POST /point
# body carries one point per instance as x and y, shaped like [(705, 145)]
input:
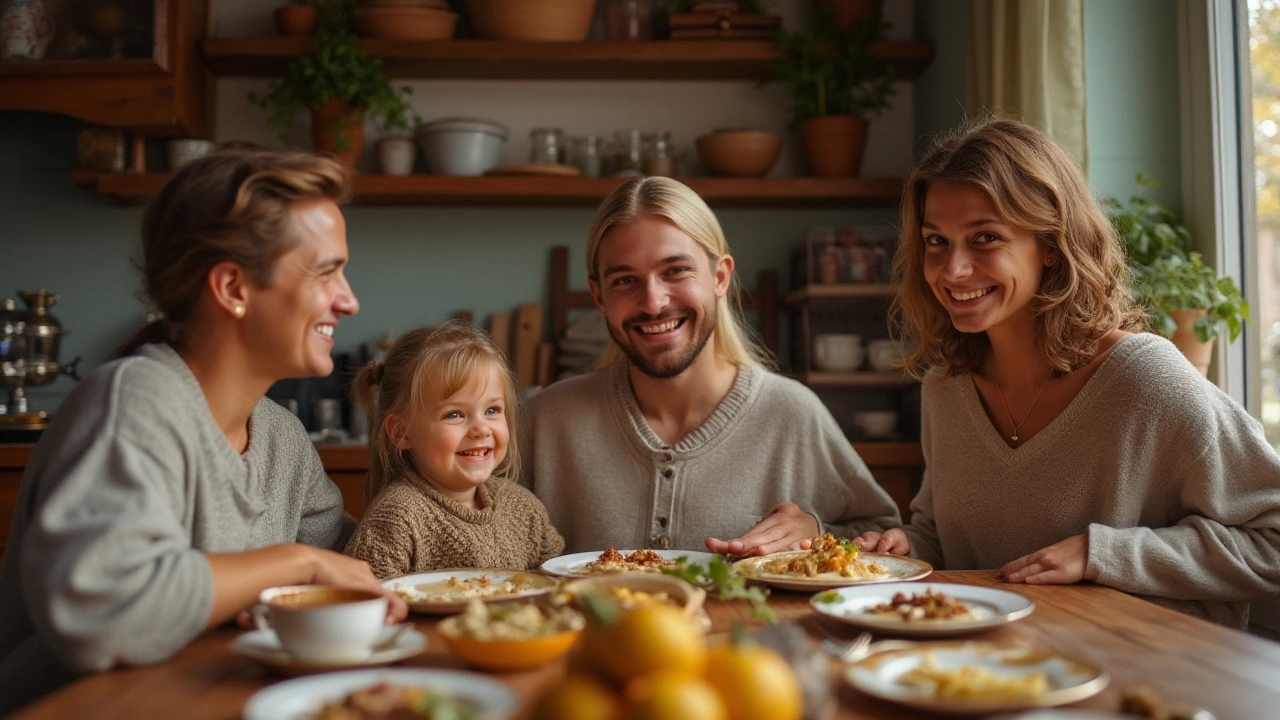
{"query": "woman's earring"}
[(238, 311)]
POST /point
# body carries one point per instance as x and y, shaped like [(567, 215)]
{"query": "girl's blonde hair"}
[(1083, 295), (663, 197), (439, 359), (230, 205)]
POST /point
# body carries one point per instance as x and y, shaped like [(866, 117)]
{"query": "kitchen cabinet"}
[(169, 93)]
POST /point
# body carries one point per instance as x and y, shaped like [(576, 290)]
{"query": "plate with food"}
[(414, 692), (830, 563), (447, 591), (586, 564), (923, 609), (974, 677)]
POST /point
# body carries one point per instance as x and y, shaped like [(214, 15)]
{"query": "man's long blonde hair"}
[(735, 341)]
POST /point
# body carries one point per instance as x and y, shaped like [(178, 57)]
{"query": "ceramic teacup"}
[(876, 424), (837, 352), (882, 354), (322, 623)]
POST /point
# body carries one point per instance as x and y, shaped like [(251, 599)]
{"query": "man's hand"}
[(786, 527), (893, 541), (1061, 563)]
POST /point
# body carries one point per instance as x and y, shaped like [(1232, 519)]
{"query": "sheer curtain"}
[(1026, 60)]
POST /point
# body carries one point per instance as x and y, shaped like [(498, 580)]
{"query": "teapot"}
[(29, 345)]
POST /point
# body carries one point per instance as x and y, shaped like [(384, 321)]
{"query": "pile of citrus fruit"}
[(652, 663)]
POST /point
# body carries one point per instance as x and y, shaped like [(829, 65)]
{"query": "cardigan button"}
[(667, 457), (667, 473), (660, 542)]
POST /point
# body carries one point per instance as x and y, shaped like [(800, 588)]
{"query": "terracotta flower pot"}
[(845, 14), (833, 144), (338, 120), (1184, 338), (297, 20)]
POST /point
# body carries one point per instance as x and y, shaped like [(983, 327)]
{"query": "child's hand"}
[(893, 541)]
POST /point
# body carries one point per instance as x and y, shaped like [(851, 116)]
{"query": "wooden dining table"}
[(1181, 658)]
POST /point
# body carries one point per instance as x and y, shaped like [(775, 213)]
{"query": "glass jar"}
[(629, 20), (659, 155), (628, 152), (546, 145), (587, 156)]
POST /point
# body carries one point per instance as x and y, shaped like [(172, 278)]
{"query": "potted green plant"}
[(834, 84), (1186, 299), (341, 85)]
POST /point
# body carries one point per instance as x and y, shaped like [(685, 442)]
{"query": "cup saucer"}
[(264, 647)]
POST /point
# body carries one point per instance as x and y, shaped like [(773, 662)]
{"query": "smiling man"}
[(683, 438)]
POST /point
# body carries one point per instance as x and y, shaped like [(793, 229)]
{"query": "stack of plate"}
[(407, 19)]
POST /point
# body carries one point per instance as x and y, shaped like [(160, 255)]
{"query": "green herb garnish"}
[(727, 583), (827, 597)]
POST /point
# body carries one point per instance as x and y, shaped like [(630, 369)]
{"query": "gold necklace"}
[(1018, 426)]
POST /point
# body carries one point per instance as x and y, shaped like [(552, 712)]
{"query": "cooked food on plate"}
[(456, 588), (387, 700), (511, 621), (827, 555), (928, 605), (971, 682), (612, 561)]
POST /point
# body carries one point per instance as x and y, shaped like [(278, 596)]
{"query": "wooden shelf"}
[(837, 291), (890, 454), (509, 191), (523, 60), (815, 378)]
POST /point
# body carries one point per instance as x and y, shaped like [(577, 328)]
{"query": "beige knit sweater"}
[(411, 527), (1172, 482)]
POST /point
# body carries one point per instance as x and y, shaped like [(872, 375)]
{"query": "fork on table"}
[(848, 651)]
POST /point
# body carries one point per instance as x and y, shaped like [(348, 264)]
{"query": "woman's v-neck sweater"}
[(1173, 483)]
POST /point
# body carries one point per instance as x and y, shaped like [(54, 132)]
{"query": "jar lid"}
[(455, 124)]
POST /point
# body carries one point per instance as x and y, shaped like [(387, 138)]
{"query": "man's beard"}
[(673, 368)]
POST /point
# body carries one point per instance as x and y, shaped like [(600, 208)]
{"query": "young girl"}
[(441, 488)]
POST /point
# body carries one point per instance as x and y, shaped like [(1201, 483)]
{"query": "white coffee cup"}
[(876, 424), (322, 623), (837, 352), (882, 354)]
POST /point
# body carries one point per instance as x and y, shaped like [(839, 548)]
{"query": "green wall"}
[(416, 265)]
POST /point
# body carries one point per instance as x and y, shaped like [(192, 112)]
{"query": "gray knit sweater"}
[(131, 484), (1172, 481), (412, 527), (608, 480)]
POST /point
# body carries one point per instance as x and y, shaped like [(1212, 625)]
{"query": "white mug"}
[(882, 355), (876, 424), (322, 623), (837, 352)]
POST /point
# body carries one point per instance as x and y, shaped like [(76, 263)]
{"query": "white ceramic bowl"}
[(461, 146), (882, 354), (876, 424), (184, 151)]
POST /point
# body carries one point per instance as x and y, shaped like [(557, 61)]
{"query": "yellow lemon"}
[(668, 696), (755, 683), (578, 697)]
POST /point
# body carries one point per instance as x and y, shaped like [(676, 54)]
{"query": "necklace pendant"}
[(1014, 438)]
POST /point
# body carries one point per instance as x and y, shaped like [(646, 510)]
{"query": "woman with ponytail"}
[(168, 492)]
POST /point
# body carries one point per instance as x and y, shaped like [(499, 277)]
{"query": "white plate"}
[(575, 565), (299, 698), (992, 606), (1070, 680), (534, 584), (899, 569), (264, 646)]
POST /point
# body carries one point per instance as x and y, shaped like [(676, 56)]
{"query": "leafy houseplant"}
[(834, 84), (340, 84), (1184, 296)]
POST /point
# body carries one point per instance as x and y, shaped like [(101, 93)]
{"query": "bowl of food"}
[(631, 590), (461, 146), (739, 153), (511, 636)]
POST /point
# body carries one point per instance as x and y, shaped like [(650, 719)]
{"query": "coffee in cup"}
[(322, 623)]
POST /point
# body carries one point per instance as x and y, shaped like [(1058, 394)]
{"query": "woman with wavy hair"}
[(168, 492), (1061, 442)]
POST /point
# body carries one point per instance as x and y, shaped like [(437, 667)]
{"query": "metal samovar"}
[(29, 344)]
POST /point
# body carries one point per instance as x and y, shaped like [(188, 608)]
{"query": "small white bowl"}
[(184, 151), (461, 146), (876, 424)]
